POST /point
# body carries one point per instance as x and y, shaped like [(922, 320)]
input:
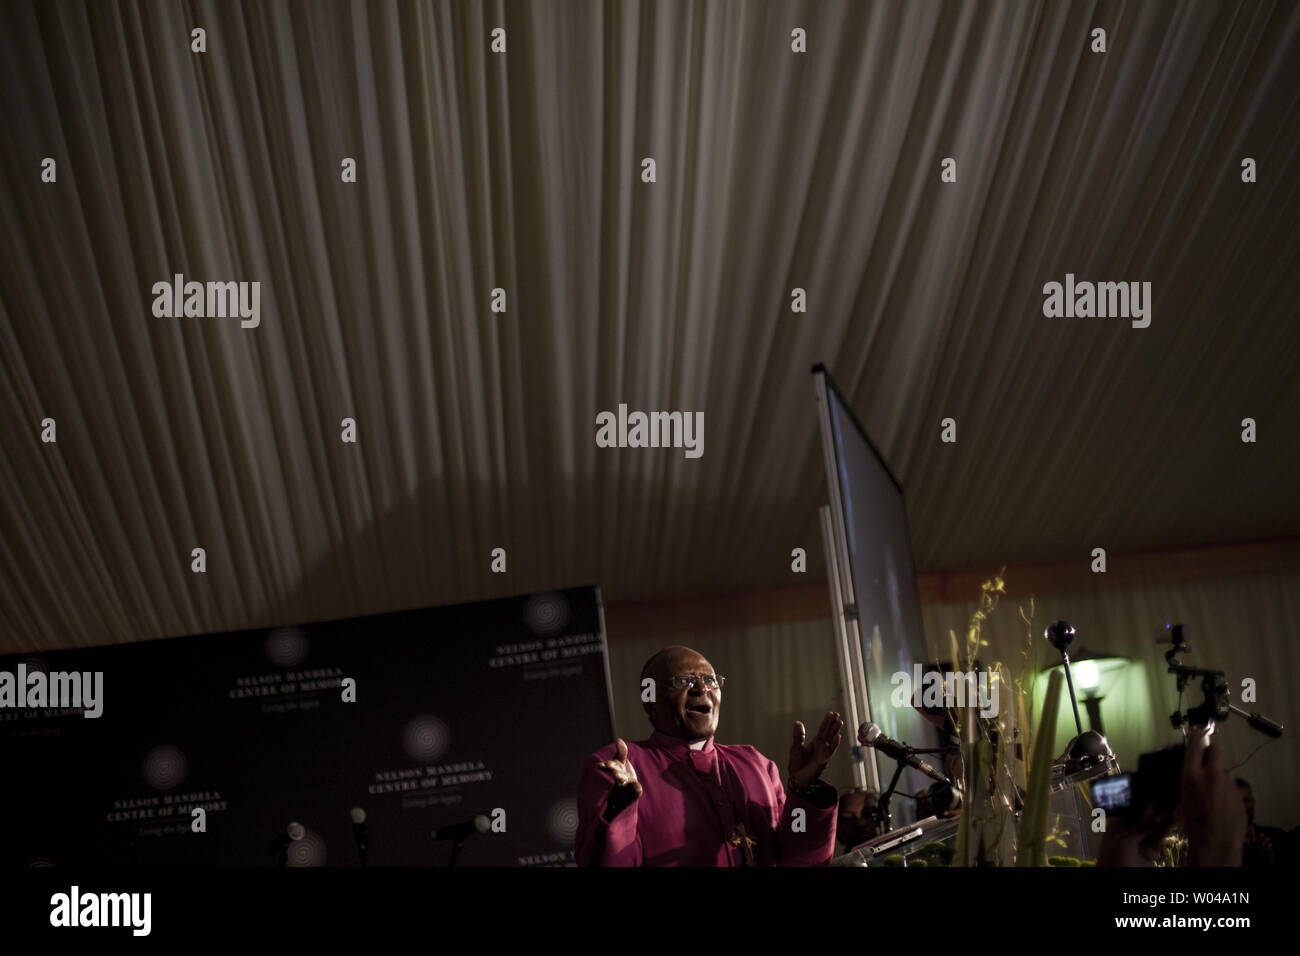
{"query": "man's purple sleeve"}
[(604, 841), (815, 845)]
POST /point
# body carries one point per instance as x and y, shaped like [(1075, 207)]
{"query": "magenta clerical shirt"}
[(691, 806)]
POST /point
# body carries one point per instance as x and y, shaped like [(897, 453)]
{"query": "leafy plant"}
[(1038, 793), (1173, 849), (936, 854), (984, 830)]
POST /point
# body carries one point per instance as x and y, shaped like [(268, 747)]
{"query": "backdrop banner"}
[(422, 719)]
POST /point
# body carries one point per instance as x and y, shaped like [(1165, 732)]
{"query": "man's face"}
[(687, 712)]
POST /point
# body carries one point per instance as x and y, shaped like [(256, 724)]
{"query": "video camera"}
[(1158, 781)]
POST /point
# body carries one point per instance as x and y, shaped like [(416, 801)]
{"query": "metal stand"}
[(883, 818), (848, 653)]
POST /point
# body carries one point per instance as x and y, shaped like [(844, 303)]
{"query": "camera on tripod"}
[(1158, 781)]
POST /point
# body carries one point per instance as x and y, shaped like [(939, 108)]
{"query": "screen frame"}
[(825, 388)]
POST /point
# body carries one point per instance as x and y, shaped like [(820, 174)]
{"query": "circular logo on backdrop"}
[(286, 647), (164, 767), (562, 820), (309, 851), (426, 738), (547, 614)]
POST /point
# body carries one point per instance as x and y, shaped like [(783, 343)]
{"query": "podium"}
[(1069, 815), (906, 842)]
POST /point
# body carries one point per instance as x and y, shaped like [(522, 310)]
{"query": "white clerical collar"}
[(699, 744)]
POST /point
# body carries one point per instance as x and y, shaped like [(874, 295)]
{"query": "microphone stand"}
[(884, 819), (1060, 635), (457, 835), (1214, 686)]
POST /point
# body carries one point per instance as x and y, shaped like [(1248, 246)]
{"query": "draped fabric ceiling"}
[(522, 170)]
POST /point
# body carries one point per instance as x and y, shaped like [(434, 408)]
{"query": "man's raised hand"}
[(809, 758), (626, 786)]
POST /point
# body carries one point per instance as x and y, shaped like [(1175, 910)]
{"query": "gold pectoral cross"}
[(742, 839)]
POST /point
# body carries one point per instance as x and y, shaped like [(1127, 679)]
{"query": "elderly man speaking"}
[(679, 799)]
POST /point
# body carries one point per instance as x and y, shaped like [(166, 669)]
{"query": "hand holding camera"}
[(1208, 805), (1211, 808)]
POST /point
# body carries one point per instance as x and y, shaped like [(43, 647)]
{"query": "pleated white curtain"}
[(777, 170)]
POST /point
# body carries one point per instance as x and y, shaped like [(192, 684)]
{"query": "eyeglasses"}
[(709, 681)]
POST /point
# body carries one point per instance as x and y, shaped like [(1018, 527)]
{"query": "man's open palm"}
[(808, 758), (624, 774)]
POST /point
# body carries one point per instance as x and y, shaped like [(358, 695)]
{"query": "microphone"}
[(459, 831), (944, 797), (1258, 721), (1272, 728), (869, 735), (294, 832), (360, 832)]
